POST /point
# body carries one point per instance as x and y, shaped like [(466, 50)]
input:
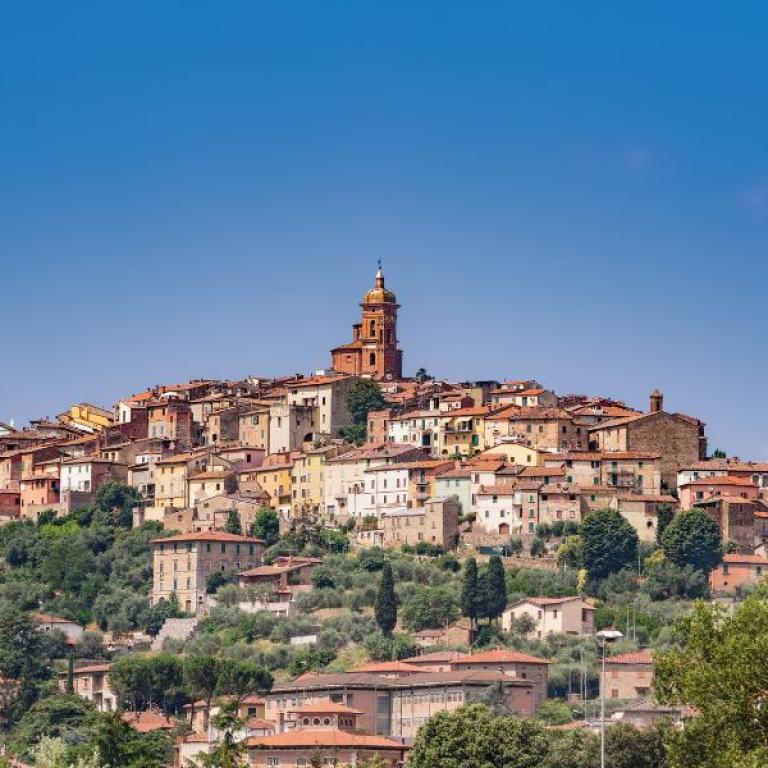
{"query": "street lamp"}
[(605, 636)]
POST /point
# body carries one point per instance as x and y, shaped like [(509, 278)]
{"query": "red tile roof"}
[(736, 559), (325, 708), (500, 656), (209, 536), (387, 666), (318, 738), (633, 657)]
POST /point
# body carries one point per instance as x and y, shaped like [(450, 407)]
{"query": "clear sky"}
[(576, 192)]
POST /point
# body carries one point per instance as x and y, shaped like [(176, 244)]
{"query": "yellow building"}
[(516, 453), (308, 478), (87, 416), (461, 431), (171, 479), (273, 477)]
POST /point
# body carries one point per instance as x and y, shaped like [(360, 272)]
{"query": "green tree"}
[(554, 712), (363, 396), (163, 609), (664, 515), (22, 666), (229, 751), (70, 688), (430, 608), (201, 679), (470, 596), (719, 669), (718, 453), (693, 538), (266, 526), (54, 753), (385, 606), (242, 678), (494, 589), (473, 736), (115, 503), (609, 543), (57, 716), (233, 524), (422, 375)]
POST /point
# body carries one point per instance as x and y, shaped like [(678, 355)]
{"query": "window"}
[(273, 761)]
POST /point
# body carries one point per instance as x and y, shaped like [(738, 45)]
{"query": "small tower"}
[(657, 401)]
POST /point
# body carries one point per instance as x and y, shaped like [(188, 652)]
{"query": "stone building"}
[(629, 675), (373, 350), (678, 439), (182, 564)]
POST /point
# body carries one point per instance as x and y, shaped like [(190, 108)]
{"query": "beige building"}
[(346, 474), (182, 564), (553, 616), (209, 483), (559, 502), (327, 395), (171, 475), (253, 425), (92, 683), (642, 512), (291, 427), (308, 477), (628, 676)]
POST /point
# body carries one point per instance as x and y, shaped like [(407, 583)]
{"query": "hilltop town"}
[(307, 570)]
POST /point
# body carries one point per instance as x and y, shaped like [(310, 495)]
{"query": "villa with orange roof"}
[(553, 616), (736, 570)]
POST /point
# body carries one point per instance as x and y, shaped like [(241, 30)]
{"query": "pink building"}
[(704, 488), (736, 570)]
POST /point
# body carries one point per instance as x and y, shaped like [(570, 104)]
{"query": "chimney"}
[(657, 401)]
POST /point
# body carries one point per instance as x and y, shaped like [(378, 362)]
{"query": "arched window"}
[(373, 328), (372, 360)]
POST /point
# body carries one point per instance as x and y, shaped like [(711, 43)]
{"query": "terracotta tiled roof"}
[(740, 481), (528, 414), (318, 738), (314, 381), (736, 559), (146, 722), (501, 656), (633, 657), (542, 471), (387, 666), (438, 657), (91, 668), (209, 536), (325, 708)]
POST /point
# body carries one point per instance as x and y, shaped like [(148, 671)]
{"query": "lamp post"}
[(605, 636)]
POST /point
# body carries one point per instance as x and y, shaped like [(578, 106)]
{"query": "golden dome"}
[(379, 294)]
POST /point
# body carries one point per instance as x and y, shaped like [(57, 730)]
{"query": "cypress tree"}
[(233, 524), (71, 673), (496, 588), (385, 606), (470, 597)]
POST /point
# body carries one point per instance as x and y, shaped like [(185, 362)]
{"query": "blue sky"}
[(567, 191)]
